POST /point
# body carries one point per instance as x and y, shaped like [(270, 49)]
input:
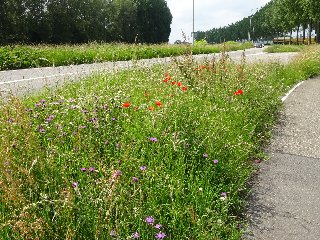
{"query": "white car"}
[(258, 45)]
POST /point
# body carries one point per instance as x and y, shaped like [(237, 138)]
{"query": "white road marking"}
[(44, 77), (294, 88)]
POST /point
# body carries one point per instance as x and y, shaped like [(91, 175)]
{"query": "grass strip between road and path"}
[(23, 56), (152, 153), (278, 48)]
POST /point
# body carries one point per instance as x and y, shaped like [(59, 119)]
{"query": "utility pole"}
[(193, 23)]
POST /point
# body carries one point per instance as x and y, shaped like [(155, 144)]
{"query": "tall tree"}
[(124, 20), (153, 19)]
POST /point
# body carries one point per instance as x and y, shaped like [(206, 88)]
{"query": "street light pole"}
[(193, 23)]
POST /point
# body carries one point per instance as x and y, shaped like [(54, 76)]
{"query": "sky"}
[(208, 14)]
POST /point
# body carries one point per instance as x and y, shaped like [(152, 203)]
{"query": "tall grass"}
[(277, 48), (158, 153), (16, 57)]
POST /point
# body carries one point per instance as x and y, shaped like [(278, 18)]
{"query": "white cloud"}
[(208, 14)]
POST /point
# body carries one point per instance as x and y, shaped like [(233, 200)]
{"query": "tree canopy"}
[(75, 21), (276, 18)]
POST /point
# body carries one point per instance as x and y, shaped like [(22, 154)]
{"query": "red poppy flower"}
[(150, 108), (158, 103), (184, 88), (239, 92), (173, 82), (126, 104), (179, 84)]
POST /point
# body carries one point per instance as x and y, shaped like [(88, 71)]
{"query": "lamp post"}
[(193, 22)]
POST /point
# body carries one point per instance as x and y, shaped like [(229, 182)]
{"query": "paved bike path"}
[(285, 203)]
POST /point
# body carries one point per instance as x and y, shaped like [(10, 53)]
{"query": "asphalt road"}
[(285, 200), (26, 81)]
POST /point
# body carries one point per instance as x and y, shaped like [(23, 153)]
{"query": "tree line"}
[(80, 21), (277, 18)]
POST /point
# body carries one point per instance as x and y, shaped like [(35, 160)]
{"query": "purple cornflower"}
[(43, 101), (74, 184), (136, 235), (50, 118), (153, 139), (119, 173), (37, 105), (85, 111), (143, 168), (215, 161), (112, 233), (41, 130), (158, 226), (223, 194), (160, 235), (91, 169), (135, 179), (82, 127), (73, 107), (93, 120), (149, 220), (104, 107), (113, 119), (205, 155), (83, 169)]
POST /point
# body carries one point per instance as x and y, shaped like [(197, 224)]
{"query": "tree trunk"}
[(304, 34), (309, 32), (290, 42), (298, 34), (317, 32)]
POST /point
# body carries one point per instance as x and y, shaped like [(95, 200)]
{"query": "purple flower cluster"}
[(50, 118), (41, 129), (90, 169), (143, 168), (153, 139), (150, 221), (160, 235)]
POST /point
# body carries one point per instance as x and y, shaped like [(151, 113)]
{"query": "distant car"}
[(258, 45)]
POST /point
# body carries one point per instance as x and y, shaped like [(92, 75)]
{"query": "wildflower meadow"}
[(163, 152)]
